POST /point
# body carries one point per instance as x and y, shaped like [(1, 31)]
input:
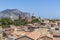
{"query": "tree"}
[(5, 22), (20, 22), (35, 20), (24, 22), (16, 23), (20, 17)]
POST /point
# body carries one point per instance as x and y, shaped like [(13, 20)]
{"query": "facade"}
[(56, 35), (24, 38), (45, 38), (45, 21), (58, 23), (1, 36)]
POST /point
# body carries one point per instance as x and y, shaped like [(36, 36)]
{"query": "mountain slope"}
[(14, 13)]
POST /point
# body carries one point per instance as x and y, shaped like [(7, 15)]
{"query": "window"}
[(56, 28), (56, 36)]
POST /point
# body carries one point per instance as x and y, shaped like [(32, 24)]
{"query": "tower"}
[(20, 16), (33, 16)]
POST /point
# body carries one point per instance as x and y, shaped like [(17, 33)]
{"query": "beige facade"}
[(24, 38), (1, 37), (45, 38), (45, 21), (58, 23)]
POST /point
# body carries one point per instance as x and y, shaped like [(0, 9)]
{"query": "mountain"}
[(14, 13)]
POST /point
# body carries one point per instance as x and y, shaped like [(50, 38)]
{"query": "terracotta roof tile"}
[(56, 38), (34, 35)]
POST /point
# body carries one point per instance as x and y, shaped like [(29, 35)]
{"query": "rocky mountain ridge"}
[(14, 13)]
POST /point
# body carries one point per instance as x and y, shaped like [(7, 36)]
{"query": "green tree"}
[(16, 23), (5, 22), (24, 22), (35, 20)]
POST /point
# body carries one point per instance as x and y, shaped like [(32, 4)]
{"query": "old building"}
[(24, 38), (1, 34), (45, 38), (56, 35)]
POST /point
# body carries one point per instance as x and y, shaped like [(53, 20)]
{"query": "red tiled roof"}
[(56, 38), (34, 35)]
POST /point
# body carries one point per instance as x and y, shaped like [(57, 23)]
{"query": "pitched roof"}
[(56, 38), (56, 32), (48, 35), (24, 37), (34, 35)]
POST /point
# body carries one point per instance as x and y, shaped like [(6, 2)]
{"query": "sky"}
[(40, 8)]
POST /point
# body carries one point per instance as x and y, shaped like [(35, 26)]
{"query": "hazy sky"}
[(42, 8)]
